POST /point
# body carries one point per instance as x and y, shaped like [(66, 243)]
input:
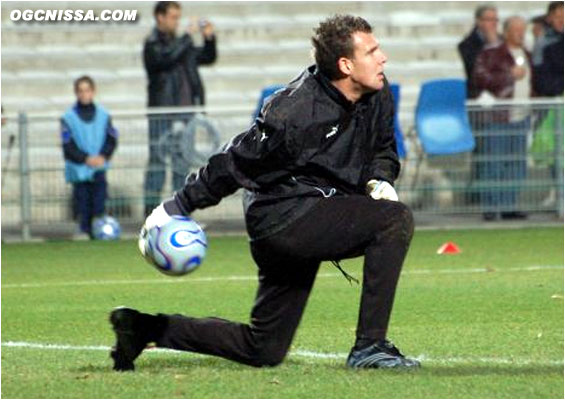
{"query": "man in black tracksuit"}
[(317, 168)]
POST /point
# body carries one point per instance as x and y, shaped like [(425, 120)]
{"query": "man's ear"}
[(345, 66)]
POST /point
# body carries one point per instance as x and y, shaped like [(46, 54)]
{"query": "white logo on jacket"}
[(332, 132)]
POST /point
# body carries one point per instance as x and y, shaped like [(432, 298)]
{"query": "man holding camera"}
[(172, 64)]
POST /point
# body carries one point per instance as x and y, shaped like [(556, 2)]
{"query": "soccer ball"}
[(176, 248), (106, 228)]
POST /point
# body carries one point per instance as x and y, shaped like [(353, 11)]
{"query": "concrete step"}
[(405, 21), (112, 56), (43, 84), (250, 30)]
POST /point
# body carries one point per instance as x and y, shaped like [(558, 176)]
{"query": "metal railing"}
[(507, 171), (502, 174)]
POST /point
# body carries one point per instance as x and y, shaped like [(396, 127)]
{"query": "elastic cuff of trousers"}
[(361, 344), (156, 326), (365, 340), (173, 207)]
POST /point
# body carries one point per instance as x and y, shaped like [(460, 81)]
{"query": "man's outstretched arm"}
[(250, 160)]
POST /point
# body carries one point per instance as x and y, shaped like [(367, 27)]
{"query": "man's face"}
[(555, 19), (515, 32), (537, 29), (488, 21), (368, 62), (85, 93), (169, 21)]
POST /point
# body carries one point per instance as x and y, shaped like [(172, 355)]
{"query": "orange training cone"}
[(449, 248)]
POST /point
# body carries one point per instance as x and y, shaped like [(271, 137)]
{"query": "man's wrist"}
[(172, 207), (373, 183), (381, 189)]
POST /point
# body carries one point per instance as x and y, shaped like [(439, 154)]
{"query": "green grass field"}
[(487, 323)]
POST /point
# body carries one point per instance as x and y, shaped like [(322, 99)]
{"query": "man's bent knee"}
[(269, 356), (406, 217), (402, 220)]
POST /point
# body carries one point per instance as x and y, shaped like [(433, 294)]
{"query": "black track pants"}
[(336, 228)]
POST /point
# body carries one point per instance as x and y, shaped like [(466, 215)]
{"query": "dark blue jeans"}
[(163, 144), (502, 164), (89, 199)]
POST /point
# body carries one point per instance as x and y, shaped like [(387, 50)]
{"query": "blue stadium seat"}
[(442, 124), (398, 135), (265, 93)]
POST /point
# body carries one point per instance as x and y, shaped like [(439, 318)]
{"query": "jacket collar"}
[(86, 112), (162, 36), (335, 94)]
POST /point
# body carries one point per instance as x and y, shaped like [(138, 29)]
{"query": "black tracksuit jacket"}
[(169, 60), (308, 142)]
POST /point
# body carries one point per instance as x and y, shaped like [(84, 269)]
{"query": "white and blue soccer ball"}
[(106, 228), (176, 248)]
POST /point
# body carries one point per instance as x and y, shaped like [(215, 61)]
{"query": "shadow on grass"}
[(163, 364), (509, 370)]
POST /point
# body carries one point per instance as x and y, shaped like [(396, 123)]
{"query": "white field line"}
[(254, 277), (519, 361)]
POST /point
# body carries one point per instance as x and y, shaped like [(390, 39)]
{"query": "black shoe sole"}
[(401, 366), (125, 351)]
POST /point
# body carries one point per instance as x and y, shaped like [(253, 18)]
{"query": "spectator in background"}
[(505, 72), (538, 26), (548, 54), (485, 32), (89, 140), (548, 82), (172, 64)]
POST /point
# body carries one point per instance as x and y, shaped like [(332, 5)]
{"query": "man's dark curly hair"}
[(333, 39), (162, 7), (554, 5)]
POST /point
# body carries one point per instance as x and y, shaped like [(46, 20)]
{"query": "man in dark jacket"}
[(317, 167), (548, 54), (548, 73), (172, 64), (484, 33)]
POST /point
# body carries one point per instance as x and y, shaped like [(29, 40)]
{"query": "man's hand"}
[(192, 27), (381, 190), (518, 72), (95, 161), (207, 29), (158, 217)]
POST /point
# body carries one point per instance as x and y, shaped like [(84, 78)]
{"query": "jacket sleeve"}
[(71, 152), (548, 77), (111, 141), (489, 73), (207, 53), (468, 52), (255, 158), (384, 164), (158, 58)]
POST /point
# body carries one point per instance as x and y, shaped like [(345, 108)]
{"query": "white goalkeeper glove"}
[(381, 190), (158, 217)]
